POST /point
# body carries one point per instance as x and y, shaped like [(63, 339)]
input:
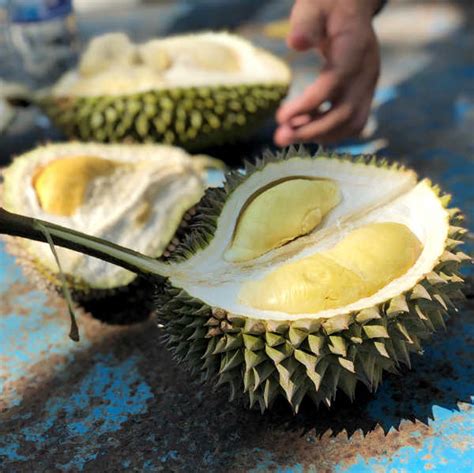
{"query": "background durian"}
[(194, 90), (135, 195)]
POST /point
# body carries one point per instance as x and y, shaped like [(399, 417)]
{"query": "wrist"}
[(365, 9), (371, 7)]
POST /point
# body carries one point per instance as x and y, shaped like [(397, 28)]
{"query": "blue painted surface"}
[(449, 448), (122, 394), (10, 272)]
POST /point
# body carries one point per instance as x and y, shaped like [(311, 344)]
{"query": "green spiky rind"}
[(197, 232), (118, 305), (313, 358), (193, 118), (124, 304)]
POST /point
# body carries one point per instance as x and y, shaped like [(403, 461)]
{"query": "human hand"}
[(341, 31)]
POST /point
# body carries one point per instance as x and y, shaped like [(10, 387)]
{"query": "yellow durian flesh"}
[(62, 184), (283, 212), (362, 263)]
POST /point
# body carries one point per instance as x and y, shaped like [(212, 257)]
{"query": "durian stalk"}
[(33, 229)]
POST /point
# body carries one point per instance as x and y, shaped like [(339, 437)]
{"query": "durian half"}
[(302, 275), (134, 195), (191, 90)]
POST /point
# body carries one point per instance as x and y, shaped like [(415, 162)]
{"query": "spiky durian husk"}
[(125, 304), (315, 358), (302, 358), (193, 118)]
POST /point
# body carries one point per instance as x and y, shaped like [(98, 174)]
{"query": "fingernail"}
[(298, 41)]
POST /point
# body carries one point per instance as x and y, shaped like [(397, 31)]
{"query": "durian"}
[(135, 195), (337, 303), (193, 90)]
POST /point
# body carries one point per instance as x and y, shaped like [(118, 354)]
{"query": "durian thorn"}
[(33, 229)]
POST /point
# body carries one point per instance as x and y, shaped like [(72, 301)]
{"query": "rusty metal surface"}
[(117, 402)]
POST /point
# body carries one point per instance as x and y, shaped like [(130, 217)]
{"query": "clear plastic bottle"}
[(6, 57), (43, 38)]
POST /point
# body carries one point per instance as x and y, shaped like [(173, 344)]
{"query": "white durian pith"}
[(369, 194), (139, 202), (112, 65)]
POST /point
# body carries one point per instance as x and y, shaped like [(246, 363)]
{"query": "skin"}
[(341, 32)]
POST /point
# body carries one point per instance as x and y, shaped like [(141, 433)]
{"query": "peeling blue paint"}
[(171, 455), (267, 463), (448, 448), (462, 109), (10, 272), (358, 147), (10, 452), (385, 94), (148, 465), (110, 394), (459, 385), (30, 338)]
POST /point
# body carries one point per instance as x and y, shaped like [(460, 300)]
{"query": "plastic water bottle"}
[(43, 39), (6, 57)]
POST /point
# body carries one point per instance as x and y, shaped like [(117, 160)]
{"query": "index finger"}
[(323, 89)]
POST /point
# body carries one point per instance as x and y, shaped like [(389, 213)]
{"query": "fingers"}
[(322, 90), (343, 121), (347, 81), (344, 62), (307, 28), (333, 120)]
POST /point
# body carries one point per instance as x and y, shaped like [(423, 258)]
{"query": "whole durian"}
[(301, 276), (134, 195), (193, 90)]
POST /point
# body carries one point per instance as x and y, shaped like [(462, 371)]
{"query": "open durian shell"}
[(268, 358), (169, 91), (125, 297), (266, 354)]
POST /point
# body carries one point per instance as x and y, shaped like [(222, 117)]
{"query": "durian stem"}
[(33, 229)]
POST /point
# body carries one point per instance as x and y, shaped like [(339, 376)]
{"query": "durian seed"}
[(282, 212), (68, 177), (359, 265)]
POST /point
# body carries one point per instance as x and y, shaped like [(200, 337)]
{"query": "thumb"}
[(307, 25)]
